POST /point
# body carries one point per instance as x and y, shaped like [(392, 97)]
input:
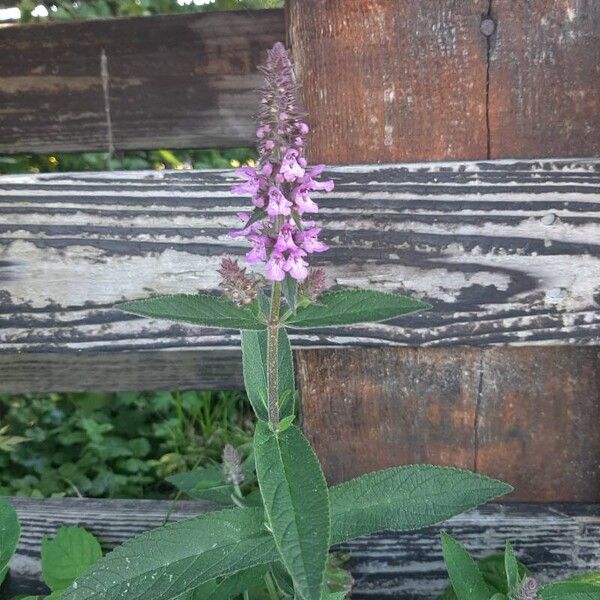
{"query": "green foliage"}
[(394, 498), (467, 581), (126, 161), (224, 543), (9, 536), (502, 576), (116, 444), (254, 358), (68, 556), (349, 307), (570, 590), (195, 309), (168, 561), (69, 10), (296, 504)]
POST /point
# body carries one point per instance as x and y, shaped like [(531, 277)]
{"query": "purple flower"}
[(278, 203), (282, 182)]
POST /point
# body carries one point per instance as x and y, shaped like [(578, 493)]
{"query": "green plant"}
[(503, 577), (281, 537), (115, 444)]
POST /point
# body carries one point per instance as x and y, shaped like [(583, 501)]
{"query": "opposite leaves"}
[(296, 504), (349, 307), (195, 309), (171, 560)]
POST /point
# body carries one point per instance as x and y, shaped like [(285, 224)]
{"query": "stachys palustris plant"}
[(283, 535)]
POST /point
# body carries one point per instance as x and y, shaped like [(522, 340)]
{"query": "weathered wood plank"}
[(544, 78), (178, 81), (388, 81), (555, 540), (499, 411), (506, 252)]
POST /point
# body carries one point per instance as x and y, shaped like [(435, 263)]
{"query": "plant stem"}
[(272, 356)]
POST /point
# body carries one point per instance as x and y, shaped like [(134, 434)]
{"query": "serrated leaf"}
[(569, 590), (296, 504), (219, 544), (228, 587), (9, 535), (394, 498), (511, 567), (67, 556), (289, 287), (169, 561), (195, 309), (467, 581), (349, 307), (254, 359)]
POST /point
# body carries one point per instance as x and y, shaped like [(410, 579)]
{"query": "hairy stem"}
[(272, 356)]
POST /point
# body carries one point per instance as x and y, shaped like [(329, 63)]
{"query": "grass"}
[(114, 445)]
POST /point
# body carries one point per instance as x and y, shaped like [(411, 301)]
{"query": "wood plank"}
[(388, 81), (506, 252), (540, 94), (177, 81), (544, 78), (121, 371), (554, 540), (499, 411)]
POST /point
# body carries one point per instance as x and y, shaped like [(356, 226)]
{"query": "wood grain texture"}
[(554, 540), (179, 81), (388, 80), (526, 416), (506, 252), (544, 78)]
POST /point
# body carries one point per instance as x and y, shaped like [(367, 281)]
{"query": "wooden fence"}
[(501, 376)]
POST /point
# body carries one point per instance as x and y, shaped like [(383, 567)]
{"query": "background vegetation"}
[(106, 444)]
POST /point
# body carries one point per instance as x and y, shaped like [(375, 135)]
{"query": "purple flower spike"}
[(280, 186)]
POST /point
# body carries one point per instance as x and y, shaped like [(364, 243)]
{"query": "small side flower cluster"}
[(282, 182), (528, 589)]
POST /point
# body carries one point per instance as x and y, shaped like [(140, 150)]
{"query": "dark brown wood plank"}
[(554, 540), (544, 78), (522, 415), (121, 371), (392, 81), (540, 94), (178, 81)]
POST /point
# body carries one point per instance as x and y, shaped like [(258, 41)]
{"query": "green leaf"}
[(169, 561), (228, 587), (196, 309), (64, 558), (9, 535), (498, 597), (334, 596), (296, 504), (570, 590), (223, 543), (395, 499), (511, 567), (354, 306), (494, 573), (289, 288), (467, 581), (592, 577), (254, 359), (204, 483)]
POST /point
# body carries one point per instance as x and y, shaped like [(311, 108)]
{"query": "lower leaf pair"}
[(214, 548)]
